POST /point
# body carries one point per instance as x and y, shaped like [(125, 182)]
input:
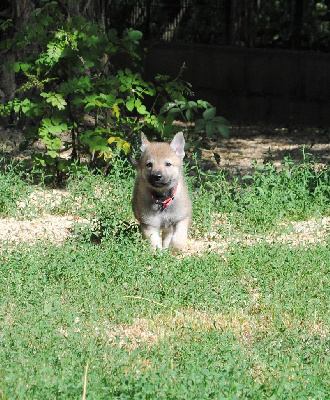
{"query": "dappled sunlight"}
[(246, 327), (294, 233)]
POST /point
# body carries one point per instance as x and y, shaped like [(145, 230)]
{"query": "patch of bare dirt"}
[(301, 233), (53, 228), (44, 224), (261, 144)]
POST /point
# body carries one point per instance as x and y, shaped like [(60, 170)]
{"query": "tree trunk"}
[(19, 11)]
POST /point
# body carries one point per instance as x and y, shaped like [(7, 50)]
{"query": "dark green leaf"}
[(209, 127), (89, 63), (174, 110), (209, 113), (221, 119), (199, 125), (130, 104), (142, 109), (135, 35), (112, 34), (52, 153), (223, 129), (16, 66), (189, 114), (25, 67)]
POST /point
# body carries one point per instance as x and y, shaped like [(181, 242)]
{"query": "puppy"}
[(160, 200)]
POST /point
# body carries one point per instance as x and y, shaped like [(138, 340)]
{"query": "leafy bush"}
[(75, 95)]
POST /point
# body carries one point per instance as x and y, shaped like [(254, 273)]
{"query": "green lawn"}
[(101, 317)]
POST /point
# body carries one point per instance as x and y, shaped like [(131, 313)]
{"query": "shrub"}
[(75, 95)]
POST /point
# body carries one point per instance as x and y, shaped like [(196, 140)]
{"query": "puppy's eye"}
[(149, 164), (168, 164)]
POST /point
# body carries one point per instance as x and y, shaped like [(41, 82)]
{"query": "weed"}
[(12, 188)]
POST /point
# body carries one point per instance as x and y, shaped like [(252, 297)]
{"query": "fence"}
[(288, 24), (251, 85)]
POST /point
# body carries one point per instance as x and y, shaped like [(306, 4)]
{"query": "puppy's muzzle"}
[(157, 179)]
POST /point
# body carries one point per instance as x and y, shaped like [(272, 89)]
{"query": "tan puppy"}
[(161, 201)]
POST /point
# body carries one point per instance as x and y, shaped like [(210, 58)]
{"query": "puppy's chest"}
[(163, 217)]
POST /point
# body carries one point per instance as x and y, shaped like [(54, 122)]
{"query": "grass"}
[(12, 188), (100, 317)]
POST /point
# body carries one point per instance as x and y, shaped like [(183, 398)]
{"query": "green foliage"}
[(75, 94), (189, 110)]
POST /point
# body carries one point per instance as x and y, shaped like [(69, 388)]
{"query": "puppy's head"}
[(161, 163)]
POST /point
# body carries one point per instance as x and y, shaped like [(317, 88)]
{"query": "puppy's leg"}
[(167, 236), (180, 234), (152, 234)]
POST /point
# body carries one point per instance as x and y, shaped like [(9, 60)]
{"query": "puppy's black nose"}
[(157, 176)]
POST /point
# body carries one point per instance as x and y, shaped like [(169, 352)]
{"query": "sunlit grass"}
[(98, 315)]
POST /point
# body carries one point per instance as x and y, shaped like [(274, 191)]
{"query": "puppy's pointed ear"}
[(144, 142), (177, 144)]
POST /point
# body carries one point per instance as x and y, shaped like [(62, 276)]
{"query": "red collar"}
[(164, 203)]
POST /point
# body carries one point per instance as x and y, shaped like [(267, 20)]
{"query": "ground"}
[(235, 154), (266, 143)]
